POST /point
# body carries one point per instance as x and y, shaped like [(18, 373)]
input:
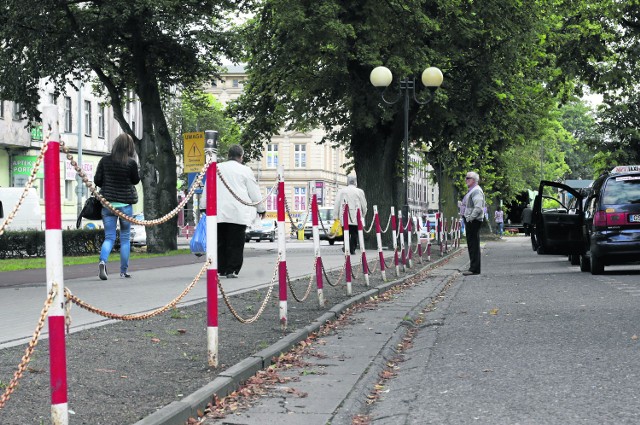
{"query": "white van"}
[(28, 216)]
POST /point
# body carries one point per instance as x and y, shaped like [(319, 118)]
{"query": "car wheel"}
[(575, 259), (272, 238), (585, 264), (597, 265), (258, 240), (332, 241)]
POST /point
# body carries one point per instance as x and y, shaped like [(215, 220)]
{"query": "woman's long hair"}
[(123, 149)]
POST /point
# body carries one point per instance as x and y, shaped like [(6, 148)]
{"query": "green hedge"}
[(32, 243)]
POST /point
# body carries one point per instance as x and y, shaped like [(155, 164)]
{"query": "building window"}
[(87, 118), (68, 116), (101, 121), (52, 99), (235, 83), (68, 189), (300, 156), (272, 200), (17, 111), (272, 155), (1, 109), (300, 198)]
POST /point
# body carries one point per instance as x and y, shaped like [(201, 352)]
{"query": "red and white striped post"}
[(376, 218), (282, 252), (54, 271), (446, 235), (347, 248), (365, 265), (439, 233), (211, 187), (429, 240), (409, 237), (419, 240), (316, 248), (403, 253), (394, 235)]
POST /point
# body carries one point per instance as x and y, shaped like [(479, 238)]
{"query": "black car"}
[(606, 231)]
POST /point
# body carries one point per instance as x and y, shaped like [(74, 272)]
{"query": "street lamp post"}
[(432, 79)]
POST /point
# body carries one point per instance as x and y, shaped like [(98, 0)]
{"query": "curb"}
[(179, 412)]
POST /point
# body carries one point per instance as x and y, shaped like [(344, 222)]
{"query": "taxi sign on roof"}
[(625, 169)]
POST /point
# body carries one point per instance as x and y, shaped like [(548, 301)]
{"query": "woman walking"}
[(499, 218), (116, 176)]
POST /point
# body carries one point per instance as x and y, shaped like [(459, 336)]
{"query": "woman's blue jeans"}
[(110, 221), (499, 229)]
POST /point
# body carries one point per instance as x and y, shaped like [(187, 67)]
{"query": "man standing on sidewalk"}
[(355, 198), (472, 209)]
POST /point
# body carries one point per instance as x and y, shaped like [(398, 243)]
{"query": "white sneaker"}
[(102, 271)]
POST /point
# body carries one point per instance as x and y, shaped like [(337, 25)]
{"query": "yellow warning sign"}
[(193, 151)]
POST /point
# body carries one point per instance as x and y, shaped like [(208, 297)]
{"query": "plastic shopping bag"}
[(198, 242), (336, 229)]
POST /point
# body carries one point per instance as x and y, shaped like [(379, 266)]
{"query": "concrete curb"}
[(178, 412)]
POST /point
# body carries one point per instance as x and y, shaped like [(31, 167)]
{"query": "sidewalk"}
[(345, 360)]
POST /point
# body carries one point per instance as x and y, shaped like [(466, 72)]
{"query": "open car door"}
[(557, 231)]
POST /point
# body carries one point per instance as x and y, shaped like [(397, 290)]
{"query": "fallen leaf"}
[(155, 339), (634, 338), (493, 312)]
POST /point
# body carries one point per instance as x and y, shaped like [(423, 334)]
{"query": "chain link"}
[(308, 291), (30, 348), (264, 303), (129, 317)]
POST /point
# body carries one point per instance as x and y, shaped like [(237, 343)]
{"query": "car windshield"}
[(622, 190), (325, 214), (267, 224)]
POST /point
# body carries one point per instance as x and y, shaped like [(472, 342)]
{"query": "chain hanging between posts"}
[(251, 204), (308, 291), (286, 207), (30, 348), (122, 215), (326, 275), (264, 303), (32, 177), (143, 316)]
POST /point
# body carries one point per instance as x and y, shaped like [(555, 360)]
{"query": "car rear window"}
[(622, 190)]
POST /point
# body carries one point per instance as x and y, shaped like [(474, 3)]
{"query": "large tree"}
[(144, 47), (309, 66)]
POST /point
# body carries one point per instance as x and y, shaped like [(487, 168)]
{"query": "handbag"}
[(198, 244), (92, 210), (336, 229)]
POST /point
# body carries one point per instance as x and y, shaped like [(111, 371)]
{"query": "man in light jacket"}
[(355, 198), (233, 215), (472, 209)]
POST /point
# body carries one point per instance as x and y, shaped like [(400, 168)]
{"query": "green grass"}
[(39, 263)]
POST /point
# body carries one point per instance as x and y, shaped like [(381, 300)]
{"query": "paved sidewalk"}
[(349, 359)]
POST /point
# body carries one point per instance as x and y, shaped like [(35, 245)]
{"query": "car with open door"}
[(555, 230), (612, 220)]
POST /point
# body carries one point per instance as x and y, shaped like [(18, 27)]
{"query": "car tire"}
[(597, 265), (332, 241), (575, 259), (585, 263)]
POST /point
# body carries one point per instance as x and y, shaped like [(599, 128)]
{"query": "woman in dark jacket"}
[(116, 176)]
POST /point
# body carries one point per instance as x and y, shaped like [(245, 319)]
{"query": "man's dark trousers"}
[(353, 238), (473, 244), (230, 247)]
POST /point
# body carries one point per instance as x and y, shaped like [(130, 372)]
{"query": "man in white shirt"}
[(355, 198), (234, 216)]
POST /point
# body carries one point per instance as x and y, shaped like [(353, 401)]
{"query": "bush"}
[(32, 243)]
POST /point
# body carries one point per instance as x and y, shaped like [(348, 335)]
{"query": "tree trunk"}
[(158, 170)]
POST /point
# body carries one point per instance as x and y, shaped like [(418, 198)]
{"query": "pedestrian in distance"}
[(472, 210), (116, 176), (234, 216), (355, 199), (499, 219)]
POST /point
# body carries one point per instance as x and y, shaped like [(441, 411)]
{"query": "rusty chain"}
[(129, 317), (30, 348), (308, 291), (264, 303)]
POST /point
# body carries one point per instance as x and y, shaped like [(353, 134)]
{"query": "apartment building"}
[(87, 128)]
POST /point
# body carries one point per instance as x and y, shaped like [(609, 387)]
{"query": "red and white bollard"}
[(440, 233), (316, 248), (347, 248), (54, 271), (282, 252), (365, 265), (376, 217), (409, 237), (419, 240), (403, 253), (394, 236), (211, 188)]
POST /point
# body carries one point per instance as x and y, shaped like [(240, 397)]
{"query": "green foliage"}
[(32, 243)]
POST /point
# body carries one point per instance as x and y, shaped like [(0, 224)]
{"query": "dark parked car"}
[(606, 231), (266, 230)]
